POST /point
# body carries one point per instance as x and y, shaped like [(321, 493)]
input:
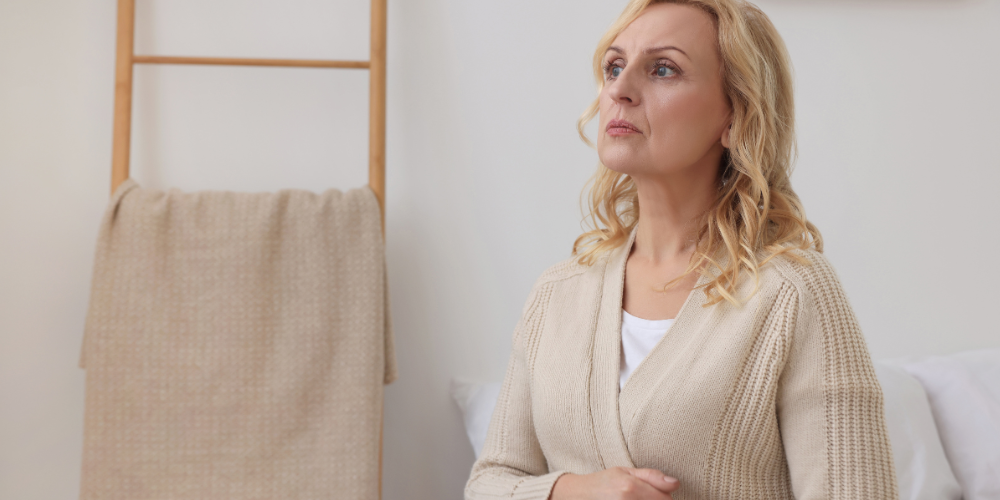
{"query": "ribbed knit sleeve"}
[(512, 465), (830, 405)]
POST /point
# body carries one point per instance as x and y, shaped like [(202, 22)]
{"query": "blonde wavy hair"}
[(756, 216)]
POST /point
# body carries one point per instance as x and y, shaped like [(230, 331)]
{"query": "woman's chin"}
[(621, 165), (622, 158)]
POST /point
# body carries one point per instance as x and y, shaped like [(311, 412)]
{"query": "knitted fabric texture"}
[(776, 399), (236, 346)]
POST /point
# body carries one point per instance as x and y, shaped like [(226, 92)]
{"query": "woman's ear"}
[(725, 133)]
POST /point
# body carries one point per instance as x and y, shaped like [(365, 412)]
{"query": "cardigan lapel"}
[(663, 360), (606, 363)]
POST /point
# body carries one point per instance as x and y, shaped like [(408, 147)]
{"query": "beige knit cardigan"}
[(774, 400)]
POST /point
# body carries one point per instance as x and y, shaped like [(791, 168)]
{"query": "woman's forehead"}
[(685, 27)]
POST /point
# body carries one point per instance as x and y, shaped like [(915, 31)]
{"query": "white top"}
[(639, 336)]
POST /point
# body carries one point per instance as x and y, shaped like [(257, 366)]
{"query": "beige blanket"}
[(236, 347)]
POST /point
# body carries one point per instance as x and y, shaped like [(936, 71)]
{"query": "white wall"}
[(897, 118)]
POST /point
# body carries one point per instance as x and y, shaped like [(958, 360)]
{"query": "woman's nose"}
[(623, 89)]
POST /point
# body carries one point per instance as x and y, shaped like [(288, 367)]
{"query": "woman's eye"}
[(665, 71), (616, 70)]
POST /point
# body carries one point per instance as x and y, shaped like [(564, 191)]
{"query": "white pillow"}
[(922, 469), (964, 393), (476, 400)]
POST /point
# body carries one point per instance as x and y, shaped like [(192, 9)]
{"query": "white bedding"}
[(964, 394)]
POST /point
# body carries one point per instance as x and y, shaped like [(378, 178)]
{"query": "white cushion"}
[(964, 394), (476, 400), (922, 469)]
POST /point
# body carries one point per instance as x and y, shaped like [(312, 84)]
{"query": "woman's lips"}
[(621, 127)]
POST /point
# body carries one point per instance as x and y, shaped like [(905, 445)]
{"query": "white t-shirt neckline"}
[(645, 324), (639, 336)]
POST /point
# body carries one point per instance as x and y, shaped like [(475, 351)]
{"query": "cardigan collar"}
[(606, 360)]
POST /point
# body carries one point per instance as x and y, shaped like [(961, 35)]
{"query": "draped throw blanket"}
[(236, 346)]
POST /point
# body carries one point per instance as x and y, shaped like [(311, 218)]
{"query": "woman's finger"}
[(656, 479)]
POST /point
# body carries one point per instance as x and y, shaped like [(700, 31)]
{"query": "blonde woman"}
[(697, 345)]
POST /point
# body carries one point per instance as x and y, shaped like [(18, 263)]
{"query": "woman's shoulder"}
[(810, 272), (565, 269), (565, 279), (549, 287)]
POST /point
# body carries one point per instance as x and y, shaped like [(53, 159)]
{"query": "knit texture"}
[(776, 399), (236, 346)]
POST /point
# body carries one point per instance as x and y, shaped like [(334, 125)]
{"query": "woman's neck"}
[(670, 210)]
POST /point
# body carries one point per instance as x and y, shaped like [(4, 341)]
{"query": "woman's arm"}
[(830, 407), (512, 465)]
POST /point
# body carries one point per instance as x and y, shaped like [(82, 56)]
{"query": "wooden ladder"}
[(126, 58)]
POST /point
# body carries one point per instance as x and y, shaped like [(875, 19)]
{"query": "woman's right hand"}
[(616, 483)]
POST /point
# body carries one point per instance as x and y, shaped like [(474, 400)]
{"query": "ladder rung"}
[(230, 61)]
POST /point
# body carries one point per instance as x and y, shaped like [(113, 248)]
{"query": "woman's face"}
[(663, 76)]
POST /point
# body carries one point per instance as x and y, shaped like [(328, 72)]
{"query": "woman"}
[(755, 381)]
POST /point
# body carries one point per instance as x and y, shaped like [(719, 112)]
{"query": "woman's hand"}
[(616, 483)]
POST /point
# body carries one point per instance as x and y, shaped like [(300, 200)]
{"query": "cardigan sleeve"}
[(512, 465), (830, 405)]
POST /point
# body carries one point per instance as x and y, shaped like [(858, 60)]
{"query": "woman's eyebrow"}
[(650, 50)]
